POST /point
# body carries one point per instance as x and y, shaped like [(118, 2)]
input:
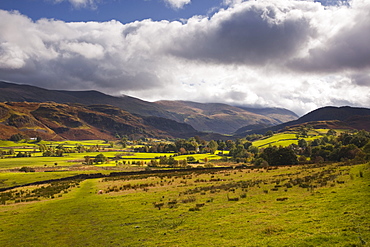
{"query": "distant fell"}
[(330, 117), (279, 114), (221, 118)]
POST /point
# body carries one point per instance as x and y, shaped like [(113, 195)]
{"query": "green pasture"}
[(9, 179), (83, 142), (12, 144), (33, 144), (35, 161), (334, 214), (282, 139), (69, 159)]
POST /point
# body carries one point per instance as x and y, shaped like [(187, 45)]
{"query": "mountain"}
[(208, 117), (18, 93), (279, 114), (329, 117), (55, 121), (219, 118)]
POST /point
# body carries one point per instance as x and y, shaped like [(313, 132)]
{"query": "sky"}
[(295, 54)]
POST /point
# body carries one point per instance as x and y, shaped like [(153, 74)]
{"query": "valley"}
[(76, 174)]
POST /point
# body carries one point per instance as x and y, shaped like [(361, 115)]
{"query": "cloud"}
[(300, 55), (347, 48), (177, 4), (80, 3), (253, 33), (361, 78)]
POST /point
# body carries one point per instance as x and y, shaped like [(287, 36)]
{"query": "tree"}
[(261, 162), (279, 156), (221, 145), (230, 144), (123, 142), (88, 160), (302, 132), (302, 143), (163, 160), (16, 137), (212, 146), (239, 152), (182, 151), (253, 149), (345, 152), (184, 163), (366, 148), (191, 159), (153, 163), (247, 144), (269, 133), (100, 158), (331, 132), (316, 142), (171, 162)]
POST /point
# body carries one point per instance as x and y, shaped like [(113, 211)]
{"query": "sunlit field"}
[(283, 139), (64, 201), (312, 205)]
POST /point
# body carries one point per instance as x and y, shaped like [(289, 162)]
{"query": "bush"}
[(16, 137), (26, 169)]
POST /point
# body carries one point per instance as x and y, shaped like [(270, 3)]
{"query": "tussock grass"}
[(195, 211)]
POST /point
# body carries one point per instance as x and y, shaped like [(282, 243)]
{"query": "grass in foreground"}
[(201, 210)]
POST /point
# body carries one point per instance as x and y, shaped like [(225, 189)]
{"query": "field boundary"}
[(117, 174)]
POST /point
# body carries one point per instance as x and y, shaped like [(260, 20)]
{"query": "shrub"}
[(26, 169)]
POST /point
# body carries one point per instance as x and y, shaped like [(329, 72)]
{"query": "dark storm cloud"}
[(252, 34), (361, 79)]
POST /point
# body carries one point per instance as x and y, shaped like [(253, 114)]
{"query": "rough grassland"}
[(195, 211)]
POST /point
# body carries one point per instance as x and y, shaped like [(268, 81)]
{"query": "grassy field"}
[(72, 159), (284, 139), (9, 179), (290, 206)]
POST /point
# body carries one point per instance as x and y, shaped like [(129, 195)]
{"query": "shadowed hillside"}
[(329, 117)]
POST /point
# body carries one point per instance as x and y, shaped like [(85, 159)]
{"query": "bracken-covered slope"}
[(54, 121), (329, 117), (216, 118)]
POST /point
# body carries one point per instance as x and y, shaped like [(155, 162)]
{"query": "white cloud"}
[(294, 54), (177, 4), (80, 3)]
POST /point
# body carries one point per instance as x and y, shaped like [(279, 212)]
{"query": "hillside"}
[(329, 117), (216, 117), (209, 117), (279, 114), (54, 121)]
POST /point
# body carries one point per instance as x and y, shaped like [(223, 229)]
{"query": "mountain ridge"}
[(208, 117), (215, 117), (345, 117)]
